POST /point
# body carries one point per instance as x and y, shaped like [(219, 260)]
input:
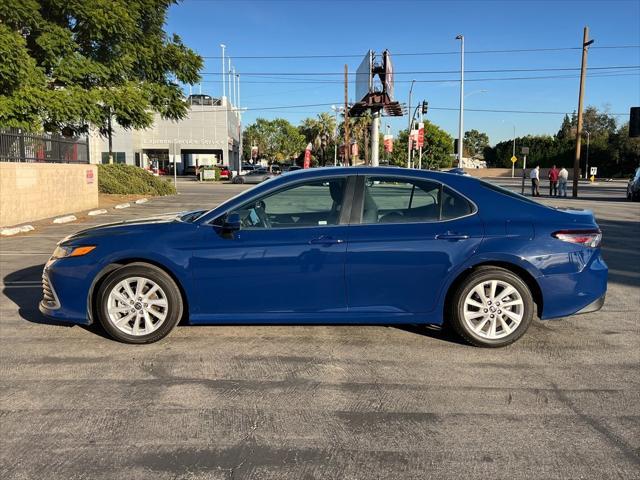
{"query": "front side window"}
[(398, 200), (311, 204)]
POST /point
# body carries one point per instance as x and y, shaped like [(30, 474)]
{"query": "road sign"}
[(524, 150), (593, 170), (514, 159)]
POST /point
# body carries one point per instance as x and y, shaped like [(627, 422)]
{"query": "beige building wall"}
[(33, 191)]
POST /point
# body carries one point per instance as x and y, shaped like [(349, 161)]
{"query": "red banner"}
[(420, 134), (307, 159), (414, 139)]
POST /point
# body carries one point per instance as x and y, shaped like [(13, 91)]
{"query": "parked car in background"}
[(225, 172), (255, 176), (352, 245), (633, 187), (292, 168)]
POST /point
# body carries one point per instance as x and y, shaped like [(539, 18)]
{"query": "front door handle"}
[(323, 240), (452, 236)]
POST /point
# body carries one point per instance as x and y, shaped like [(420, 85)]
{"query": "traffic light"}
[(634, 122), (425, 107)]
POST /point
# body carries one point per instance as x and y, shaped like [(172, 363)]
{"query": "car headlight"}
[(69, 251)]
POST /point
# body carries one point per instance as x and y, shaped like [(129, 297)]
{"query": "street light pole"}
[(223, 46), (409, 130), (461, 112), (335, 135), (586, 167)]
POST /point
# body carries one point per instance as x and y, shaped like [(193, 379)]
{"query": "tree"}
[(436, 152), (475, 142), (319, 132), (276, 139), (77, 64)]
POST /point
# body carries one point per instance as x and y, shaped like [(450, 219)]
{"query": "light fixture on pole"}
[(461, 113), (335, 134)]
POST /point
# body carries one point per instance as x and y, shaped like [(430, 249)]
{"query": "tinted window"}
[(504, 191), (310, 204), (454, 205), (395, 200)]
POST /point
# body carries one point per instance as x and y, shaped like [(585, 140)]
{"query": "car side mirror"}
[(232, 223)]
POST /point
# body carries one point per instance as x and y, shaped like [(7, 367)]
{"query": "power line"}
[(436, 72), (484, 110), (441, 80), (417, 54)]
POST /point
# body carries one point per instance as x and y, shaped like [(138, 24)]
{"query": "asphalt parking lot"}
[(321, 402)]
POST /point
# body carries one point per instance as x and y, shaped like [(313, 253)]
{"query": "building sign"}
[(89, 176)]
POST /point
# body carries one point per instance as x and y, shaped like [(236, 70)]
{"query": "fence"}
[(19, 146)]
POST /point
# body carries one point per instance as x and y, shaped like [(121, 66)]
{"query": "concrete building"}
[(208, 135)]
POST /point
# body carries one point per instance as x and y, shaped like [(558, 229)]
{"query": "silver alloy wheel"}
[(137, 306), (493, 309)]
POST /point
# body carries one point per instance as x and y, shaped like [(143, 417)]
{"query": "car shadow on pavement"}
[(23, 288)]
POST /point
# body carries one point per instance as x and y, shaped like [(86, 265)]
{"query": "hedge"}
[(118, 178)]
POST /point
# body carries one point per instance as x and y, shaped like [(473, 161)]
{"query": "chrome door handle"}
[(452, 236), (325, 241)]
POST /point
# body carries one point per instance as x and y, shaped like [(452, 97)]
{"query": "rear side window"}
[(401, 200), (454, 205)]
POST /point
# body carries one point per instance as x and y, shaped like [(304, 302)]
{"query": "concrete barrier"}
[(506, 172), (33, 191)]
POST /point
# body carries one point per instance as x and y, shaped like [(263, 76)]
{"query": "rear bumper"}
[(566, 294)]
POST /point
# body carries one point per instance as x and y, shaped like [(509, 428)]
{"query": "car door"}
[(286, 261), (407, 236)]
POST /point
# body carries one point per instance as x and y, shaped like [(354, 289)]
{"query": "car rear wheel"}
[(492, 307), (238, 180), (139, 303)]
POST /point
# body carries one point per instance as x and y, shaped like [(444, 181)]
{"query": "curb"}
[(122, 205), (65, 219), (7, 232), (142, 200), (97, 212)]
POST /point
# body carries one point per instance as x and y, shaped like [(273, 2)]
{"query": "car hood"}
[(128, 226)]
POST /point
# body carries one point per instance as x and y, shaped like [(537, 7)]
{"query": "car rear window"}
[(507, 192)]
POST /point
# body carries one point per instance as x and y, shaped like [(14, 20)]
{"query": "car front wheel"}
[(492, 307), (138, 303)]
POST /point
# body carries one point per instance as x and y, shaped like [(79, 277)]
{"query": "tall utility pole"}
[(420, 147), (235, 99), (375, 139), (229, 78), (409, 130), (224, 93), (239, 127), (347, 144), (586, 166), (583, 72), (461, 113)]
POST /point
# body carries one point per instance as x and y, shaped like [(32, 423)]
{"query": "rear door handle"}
[(452, 236), (325, 241)]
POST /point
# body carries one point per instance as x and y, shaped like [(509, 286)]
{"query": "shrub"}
[(124, 179)]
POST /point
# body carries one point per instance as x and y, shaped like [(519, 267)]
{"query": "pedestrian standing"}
[(563, 176), (535, 181), (553, 182)]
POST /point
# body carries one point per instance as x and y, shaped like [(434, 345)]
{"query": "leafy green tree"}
[(436, 153), (276, 139), (475, 142), (77, 64)]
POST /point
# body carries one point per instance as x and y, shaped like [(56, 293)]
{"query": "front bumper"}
[(65, 291)]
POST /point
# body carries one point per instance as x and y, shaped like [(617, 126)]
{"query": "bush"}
[(118, 178)]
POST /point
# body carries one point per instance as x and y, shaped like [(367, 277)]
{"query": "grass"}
[(123, 179)]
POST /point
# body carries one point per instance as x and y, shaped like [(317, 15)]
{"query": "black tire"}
[(174, 307), (238, 180), (480, 275)]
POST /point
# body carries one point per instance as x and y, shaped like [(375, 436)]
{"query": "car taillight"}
[(587, 238)]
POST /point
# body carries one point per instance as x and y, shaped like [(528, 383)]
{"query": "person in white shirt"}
[(535, 181), (563, 176)]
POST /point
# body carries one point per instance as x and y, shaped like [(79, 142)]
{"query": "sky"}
[(345, 30)]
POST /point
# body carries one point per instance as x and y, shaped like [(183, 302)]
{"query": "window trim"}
[(343, 220), (358, 201)]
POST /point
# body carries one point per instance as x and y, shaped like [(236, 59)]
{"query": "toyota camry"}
[(337, 246)]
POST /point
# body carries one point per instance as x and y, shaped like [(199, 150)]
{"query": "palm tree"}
[(319, 132)]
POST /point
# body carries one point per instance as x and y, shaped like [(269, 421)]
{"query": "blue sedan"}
[(337, 245)]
